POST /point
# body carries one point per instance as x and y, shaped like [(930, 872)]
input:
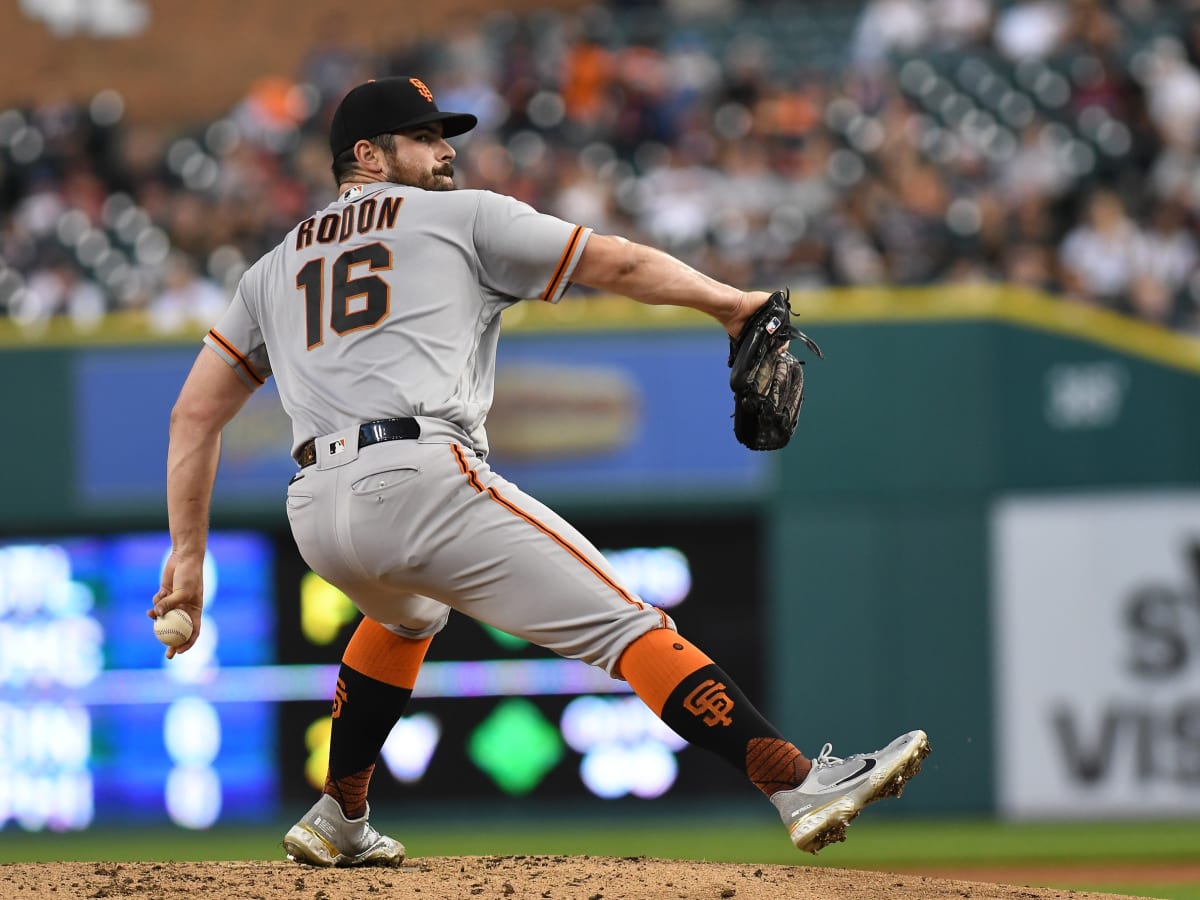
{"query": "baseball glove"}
[(767, 381)]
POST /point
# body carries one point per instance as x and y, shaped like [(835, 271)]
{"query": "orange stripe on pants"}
[(582, 557)]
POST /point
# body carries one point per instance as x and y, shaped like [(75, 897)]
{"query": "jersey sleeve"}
[(238, 340), (522, 252)]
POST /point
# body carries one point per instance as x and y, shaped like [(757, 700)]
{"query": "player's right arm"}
[(210, 397), (620, 266)]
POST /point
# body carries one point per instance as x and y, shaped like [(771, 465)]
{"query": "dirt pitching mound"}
[(504, 877)]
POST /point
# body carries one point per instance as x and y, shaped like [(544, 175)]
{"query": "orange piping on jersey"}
[(474, 481), (237, 356), (563, 263)]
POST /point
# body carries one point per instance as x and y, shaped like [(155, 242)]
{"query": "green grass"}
[(886, 843)]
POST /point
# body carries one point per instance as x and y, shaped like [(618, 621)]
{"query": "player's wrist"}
[(746, 303)]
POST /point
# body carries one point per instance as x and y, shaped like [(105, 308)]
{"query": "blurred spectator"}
[(1033, 221), (186, 299), (1091, 27), (584, 196), (887, 27), (57, 287), (855, 257), (1172, 89), (1098, 254), (960, 23), (912, 224), (1031, 29), (1166, 250), (785, 111), (588, 71), (1030, 265), (1036, 168), (271, 112), (677, 202)]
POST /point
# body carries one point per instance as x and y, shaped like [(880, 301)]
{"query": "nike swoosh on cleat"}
[(868, 765)]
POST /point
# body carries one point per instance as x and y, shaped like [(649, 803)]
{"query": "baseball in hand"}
[(173, 627)]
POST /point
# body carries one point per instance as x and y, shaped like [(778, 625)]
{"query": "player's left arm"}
[(620, 266), (209, 399)]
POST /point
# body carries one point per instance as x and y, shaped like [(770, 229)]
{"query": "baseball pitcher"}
[(378, 316)]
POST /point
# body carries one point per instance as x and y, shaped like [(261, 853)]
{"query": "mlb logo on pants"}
[(336, 447)]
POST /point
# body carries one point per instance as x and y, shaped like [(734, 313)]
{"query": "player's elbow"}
[(210, 397), (200, 412), (193, 415)]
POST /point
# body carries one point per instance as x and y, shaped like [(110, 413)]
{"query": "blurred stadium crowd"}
[(1050, 143)]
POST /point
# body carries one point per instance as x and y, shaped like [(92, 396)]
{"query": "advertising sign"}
[(1096, 614)]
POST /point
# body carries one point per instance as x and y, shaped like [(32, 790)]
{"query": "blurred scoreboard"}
[(96, 726)]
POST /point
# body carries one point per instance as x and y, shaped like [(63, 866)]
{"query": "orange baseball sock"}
[(703, 705), (375, 682), (385, 656), (655, 663)]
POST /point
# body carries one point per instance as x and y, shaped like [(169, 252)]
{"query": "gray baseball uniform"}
[(387, 304)]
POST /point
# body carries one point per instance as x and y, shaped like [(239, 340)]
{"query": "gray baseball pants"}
[(410, 530)]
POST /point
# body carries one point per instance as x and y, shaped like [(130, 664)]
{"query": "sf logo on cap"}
[(421, 89)]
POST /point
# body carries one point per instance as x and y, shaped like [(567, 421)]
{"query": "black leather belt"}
[(368, 433)]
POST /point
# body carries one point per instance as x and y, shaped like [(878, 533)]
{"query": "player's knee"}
[(638, 628), (418, 627)]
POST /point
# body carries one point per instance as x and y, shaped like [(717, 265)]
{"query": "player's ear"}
[(369, 156)]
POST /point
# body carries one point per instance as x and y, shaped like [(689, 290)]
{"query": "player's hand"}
[(182, 587), (750, 301)]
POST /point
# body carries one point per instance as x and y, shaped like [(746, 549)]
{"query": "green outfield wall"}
[(950, 442), (921, 424)]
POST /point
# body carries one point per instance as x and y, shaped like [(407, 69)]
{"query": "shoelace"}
[(825, 758)]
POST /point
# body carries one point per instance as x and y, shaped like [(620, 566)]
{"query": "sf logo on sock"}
[(339, 697), (710, 701)]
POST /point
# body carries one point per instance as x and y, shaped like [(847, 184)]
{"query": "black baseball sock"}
[(375, 682), (364, 713)]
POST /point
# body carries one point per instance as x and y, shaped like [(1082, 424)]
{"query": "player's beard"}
[(443, 178), (439, 178)]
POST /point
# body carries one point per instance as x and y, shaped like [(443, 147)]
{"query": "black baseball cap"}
[(387, 105)]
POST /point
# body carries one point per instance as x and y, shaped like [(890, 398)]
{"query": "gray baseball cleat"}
[(325, 837), (817, 812)]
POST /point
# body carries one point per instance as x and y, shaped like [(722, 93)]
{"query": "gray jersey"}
[(387, 303)]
